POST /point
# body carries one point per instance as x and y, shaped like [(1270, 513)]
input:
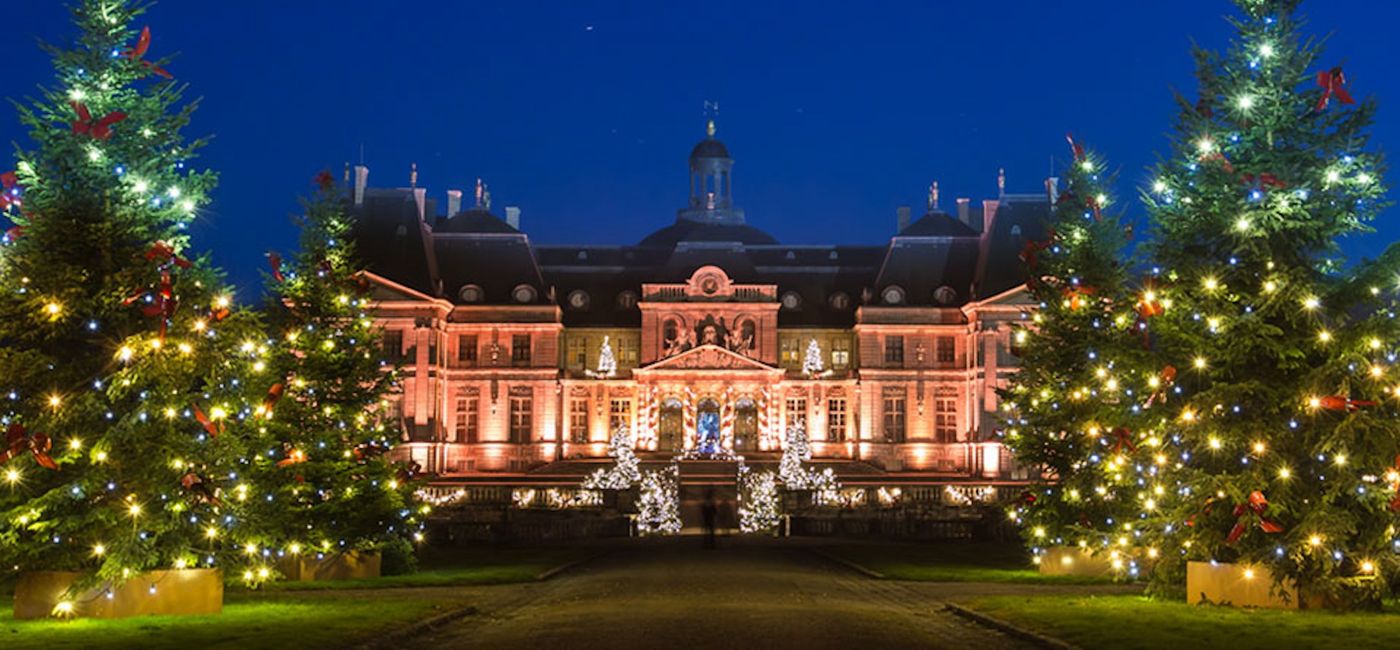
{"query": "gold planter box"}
[(1075, 561), (352, 565), (177, 592), (1237, 585)]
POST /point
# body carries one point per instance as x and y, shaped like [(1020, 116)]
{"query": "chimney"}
[(989, 213), (1052, 189), (361, 180), (964, 211), (901, 218), (454, 202), (513, 216)]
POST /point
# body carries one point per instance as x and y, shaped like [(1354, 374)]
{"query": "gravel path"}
[(672, 593)]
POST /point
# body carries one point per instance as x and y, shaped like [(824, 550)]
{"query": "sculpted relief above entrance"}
[(709, 309)]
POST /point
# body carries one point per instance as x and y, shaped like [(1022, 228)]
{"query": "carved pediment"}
[(708, 357)]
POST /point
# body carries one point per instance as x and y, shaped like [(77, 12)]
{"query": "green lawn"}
[(288, 621), (471, 565), (951, 562), (1128, 622)]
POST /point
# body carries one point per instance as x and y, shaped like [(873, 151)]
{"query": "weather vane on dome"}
[(711, 113)]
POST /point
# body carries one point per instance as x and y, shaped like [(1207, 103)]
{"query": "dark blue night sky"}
[(582, 113)]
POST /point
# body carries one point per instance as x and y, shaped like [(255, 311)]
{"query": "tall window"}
[(840, 352), (790, 355), (619, 414), (894, 350), (465, 428), (520, 350), (578, 419), (945, 415), (393, 345), (894, 415), (797, 412), (466, 349), (626, 352), (522, 418), (577, 355), (836, 419), (944, 350)]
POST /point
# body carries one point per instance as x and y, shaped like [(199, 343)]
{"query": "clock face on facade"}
[(709, 285)]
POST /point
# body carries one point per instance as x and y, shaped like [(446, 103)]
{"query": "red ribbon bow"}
[(1164, 379), (274, 394), (1219, 157), (164, 255), (1264, 180), (1074, 147), (162, 303), (1076, 294), (213, 428), (294, 457), (9, 195), (136, 53), (1256, 504), (274, 261), (97, 129), (196, 484), (1332, 83), (1339, 403), (1030, 253), (19, 440), (1124, 440), (324, 180)]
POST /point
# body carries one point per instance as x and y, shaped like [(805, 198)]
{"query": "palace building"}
[(707, 337)]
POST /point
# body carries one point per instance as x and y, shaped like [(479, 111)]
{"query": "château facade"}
[(706, 337)]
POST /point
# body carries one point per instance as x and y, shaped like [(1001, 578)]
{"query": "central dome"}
[(684, 230), (709, 148)]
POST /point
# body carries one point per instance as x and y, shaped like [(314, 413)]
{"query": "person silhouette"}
[(709, 511)]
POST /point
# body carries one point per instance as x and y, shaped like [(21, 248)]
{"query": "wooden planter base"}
[(1225, 583), (1075, 561), (351, 565), (180, 592)]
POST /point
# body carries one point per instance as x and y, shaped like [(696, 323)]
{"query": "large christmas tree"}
[(1280, 446), (325, 484), (1072, 405), (120, 356)]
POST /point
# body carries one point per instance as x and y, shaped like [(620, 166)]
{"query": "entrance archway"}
[(745, 425), (707, 432), (671, 427)]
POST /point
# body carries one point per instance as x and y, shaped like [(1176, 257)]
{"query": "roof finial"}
[(347, 172), (933, 196), (480, 191), (711, 112), (413, 175), (1001, 180)]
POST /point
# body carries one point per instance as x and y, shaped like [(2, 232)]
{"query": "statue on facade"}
[(736, 341), (685, 340)]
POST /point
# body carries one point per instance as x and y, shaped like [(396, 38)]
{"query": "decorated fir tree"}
[(624, 473), (658, 502), (760, 505), (120, 354), (1279, 450), (327, 485), (1073, 405), (812, 361)]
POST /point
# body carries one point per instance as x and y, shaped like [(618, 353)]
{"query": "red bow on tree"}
[(213, 428), (196, 484), (1256, 504), (293, 457), (274, 261), (136, 53), (1333, 82), (409, 471), (1339, 403), (1264, 180), (1220, 157), (161, 304), (100, 129), (164, 255), (9, 191), (1123, 440), (19, 440), (1030, 253), (1026, 498), (1075, 148), (274, 394), (1076, 294), (1164, 379), (324, 180)]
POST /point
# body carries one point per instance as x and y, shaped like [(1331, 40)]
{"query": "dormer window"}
[(792, 301), (524, 294), (840, 301), (627, 299), (945, 295), (470, 293), (578, 299), (893, 295)]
